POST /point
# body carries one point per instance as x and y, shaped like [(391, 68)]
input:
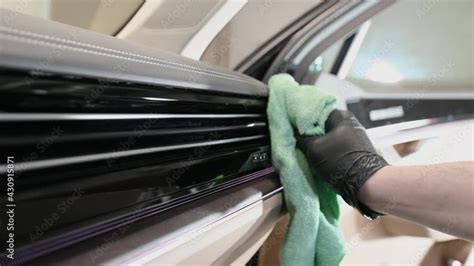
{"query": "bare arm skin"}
[(439, 196)]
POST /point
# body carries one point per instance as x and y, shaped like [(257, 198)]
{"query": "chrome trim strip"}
[(20, 140), (271, 194), (210, 223), (77, 116), (414, 130), (113, 155)]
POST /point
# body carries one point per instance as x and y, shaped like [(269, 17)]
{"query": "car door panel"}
[(106, 134)]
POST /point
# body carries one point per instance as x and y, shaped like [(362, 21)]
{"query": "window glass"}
[(417, 44)]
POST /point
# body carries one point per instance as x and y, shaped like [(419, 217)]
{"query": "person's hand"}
[(344, 157)]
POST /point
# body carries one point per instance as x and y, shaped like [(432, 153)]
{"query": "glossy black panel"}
[(411, 110), (265, 181), (92, 153), (119, 191), (41, 92)]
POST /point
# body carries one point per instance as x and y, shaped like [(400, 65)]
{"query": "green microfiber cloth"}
[(313, 236)]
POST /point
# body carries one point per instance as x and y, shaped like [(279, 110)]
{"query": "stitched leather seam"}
[(45, 43), (48, 37)]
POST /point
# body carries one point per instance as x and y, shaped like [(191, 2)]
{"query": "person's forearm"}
[(439, 196)]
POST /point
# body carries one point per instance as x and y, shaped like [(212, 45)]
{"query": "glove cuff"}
[(362, 169)]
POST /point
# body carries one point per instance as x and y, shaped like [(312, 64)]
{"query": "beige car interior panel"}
[(409, 243), (201, 39), (221, 239), (106, 17), (140, 18), (255, 24), (117, 12), (170, 25)]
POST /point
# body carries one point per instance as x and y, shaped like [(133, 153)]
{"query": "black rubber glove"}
[(344, 157)]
